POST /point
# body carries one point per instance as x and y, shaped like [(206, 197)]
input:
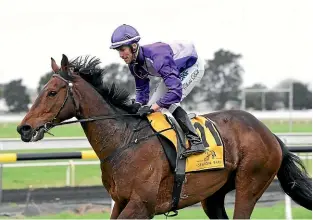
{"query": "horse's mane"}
[(89, 69)]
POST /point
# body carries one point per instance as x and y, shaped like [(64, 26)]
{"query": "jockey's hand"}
[(134, 107), (145, 110), (155, 107), (133, 101)]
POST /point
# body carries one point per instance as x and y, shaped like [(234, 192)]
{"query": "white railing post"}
[(72, 165), (68, 175), (288, 211), (1, 174), (112, 205)]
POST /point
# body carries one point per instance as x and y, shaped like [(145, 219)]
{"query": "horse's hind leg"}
[(213, 206), (252, 180)]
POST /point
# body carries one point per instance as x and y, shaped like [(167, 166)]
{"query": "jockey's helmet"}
[(124, 35)]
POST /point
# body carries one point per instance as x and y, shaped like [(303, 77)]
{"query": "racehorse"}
[(137, 174)]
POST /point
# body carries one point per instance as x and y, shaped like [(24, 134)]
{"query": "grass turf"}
[(55, 176), (49, 176), (275, 212)]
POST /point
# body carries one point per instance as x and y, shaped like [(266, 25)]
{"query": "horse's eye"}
[(52, 93)]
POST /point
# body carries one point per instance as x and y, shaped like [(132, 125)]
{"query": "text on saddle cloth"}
[(212, 158)]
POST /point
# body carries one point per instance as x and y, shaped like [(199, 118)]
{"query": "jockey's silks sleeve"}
[(166, 67), (142, 90), (165, 61)]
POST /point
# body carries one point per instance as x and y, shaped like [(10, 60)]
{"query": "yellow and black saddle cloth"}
[(174, 142), (212, 158)]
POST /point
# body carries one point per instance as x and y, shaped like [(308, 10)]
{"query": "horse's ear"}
[(54, 66), (64, 63)]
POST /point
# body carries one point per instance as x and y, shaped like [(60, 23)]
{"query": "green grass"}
[(297, 126), (274, 212), (8, 130), (14, 178), (50, 176), (308, 166), (55, 176), (46, 150)]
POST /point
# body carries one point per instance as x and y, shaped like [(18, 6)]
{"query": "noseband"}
[(69, 93)]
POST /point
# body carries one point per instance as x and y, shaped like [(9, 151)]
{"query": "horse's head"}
[(55, 103)]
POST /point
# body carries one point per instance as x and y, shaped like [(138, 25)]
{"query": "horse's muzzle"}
[(29, 134)]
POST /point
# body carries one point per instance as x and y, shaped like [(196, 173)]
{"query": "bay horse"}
[(137, 175)]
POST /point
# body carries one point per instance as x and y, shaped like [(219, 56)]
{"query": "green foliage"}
[(220, 84), (43, 80), (120, 75), (1, 90), (222, 79), (15, 96), (302, 95)]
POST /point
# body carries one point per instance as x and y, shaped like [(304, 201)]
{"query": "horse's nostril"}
[(24, 129)]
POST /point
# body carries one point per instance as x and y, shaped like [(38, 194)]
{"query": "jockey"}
[(180, 69)]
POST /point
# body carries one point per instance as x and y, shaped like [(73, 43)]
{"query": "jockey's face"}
[(126, 54)]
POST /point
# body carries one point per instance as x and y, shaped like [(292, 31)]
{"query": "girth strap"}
[(179, 172)]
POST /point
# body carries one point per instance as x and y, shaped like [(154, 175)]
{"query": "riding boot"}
[(196, 145)]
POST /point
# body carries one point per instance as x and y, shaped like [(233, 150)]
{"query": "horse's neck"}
[(104, 135)]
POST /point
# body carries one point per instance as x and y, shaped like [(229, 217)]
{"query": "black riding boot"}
[(196, 145)]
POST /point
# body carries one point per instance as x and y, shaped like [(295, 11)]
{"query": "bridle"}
[(69, 94), (129, 140)]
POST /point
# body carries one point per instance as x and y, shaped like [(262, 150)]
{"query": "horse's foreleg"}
[(214, 207), (146, 177), (117, 209), (136, 209), (142, 201)]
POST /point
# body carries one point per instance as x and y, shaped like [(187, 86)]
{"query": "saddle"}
[(174, 142)]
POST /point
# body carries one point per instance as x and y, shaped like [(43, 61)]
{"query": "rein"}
[(97, 118), (129, 140), (69, 93), (49, 125)]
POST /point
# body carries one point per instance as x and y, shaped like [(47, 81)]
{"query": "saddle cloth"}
[(212, 158)]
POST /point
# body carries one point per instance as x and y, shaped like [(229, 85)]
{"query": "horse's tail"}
[(294, 179)]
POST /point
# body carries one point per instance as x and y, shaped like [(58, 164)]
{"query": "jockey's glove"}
[(134, 107), (145, 110)]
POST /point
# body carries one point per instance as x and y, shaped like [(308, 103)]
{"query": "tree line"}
[(220, 88)]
